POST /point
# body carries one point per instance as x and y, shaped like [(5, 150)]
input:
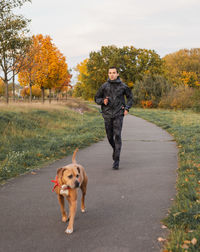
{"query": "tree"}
[(6, 6), (80, 88), (28, 71), (132, 63), (183, 67), (13, 40), (47, 68)]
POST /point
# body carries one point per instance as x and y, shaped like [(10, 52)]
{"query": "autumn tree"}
[(80, 87), (183, 67), (31, 64), (132, 63), (48, 68), (13, 40)]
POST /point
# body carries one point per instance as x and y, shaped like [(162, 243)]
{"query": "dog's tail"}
[(74, 156)]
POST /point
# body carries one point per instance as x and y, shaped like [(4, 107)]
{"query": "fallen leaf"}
[(185, 246), (194, 241), (160, 239), (33, 173), (187, 242)]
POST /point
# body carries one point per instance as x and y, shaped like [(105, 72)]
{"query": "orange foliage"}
[(147, 104), (2, 87), (36, 91), (46, 65)]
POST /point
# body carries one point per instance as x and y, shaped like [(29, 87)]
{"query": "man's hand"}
[(105, 101), (125, 112)]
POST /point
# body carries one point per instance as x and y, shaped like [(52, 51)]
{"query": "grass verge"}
[(183, 219), (32, 135)]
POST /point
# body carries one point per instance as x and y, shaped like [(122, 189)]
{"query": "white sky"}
[(78, 27)]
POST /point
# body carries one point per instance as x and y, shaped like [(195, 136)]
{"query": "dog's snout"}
[(77, 184)]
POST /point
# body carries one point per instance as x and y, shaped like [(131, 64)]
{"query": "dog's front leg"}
[(62, 207), (83, 189), (72, 213)]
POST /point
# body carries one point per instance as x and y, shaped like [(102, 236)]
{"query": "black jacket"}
[(115, 91)]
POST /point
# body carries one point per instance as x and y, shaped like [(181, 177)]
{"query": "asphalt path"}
[(124, 207)]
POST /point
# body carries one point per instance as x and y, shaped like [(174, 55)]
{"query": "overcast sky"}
[(78, 27)]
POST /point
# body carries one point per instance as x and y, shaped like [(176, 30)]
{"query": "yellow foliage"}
[(82, 69), (46, 66), (189, 79), (2, 87), (36, 91), (183, 67), (130, 84), (82, 74)]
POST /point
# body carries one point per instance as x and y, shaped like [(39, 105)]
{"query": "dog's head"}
[(69, 176)]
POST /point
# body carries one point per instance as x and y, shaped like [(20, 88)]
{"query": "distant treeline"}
[(171, 82)]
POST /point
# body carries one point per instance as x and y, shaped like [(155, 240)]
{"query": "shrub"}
[(147, 104), (181, 97), (151, 88), (196, 100)]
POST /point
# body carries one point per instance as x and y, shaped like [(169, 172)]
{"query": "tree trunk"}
[(13, 78), (42, 94), (31, 96), (49, 95), (6, 90)]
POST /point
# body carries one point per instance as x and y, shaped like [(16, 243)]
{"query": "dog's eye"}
[(77, 175), (70, 176)]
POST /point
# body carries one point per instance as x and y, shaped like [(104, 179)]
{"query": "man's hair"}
[(113, 67)]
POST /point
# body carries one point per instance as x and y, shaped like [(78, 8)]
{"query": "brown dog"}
[(68, 179)]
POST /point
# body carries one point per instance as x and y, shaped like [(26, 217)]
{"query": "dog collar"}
[(56, 183)]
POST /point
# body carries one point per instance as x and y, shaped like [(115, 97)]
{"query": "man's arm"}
[(99, 96), (129, 97)]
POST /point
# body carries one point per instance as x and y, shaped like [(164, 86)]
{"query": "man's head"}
[(113, 73)]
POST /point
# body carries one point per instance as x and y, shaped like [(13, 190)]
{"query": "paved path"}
[(124, 207)]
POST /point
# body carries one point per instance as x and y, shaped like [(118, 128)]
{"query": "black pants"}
[(113, 128)]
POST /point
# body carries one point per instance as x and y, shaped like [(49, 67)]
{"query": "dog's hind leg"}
[(62, 207)]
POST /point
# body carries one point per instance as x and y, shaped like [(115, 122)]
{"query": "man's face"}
[(112, 74)]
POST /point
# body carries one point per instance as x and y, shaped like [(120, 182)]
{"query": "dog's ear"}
[(79, 171), (60, 174)]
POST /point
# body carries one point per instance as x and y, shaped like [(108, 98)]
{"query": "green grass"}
[(33, 135), (183, 219)]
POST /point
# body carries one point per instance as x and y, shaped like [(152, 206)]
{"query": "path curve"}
[(124, 207)]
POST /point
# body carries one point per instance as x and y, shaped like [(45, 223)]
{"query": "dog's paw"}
[(83, 210), (64, 219), (69, 231)]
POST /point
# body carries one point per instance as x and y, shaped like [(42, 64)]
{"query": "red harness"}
[(56, 183)]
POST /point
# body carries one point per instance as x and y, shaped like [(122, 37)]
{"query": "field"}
[(35, 134), (183, 219), (32, 135)]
